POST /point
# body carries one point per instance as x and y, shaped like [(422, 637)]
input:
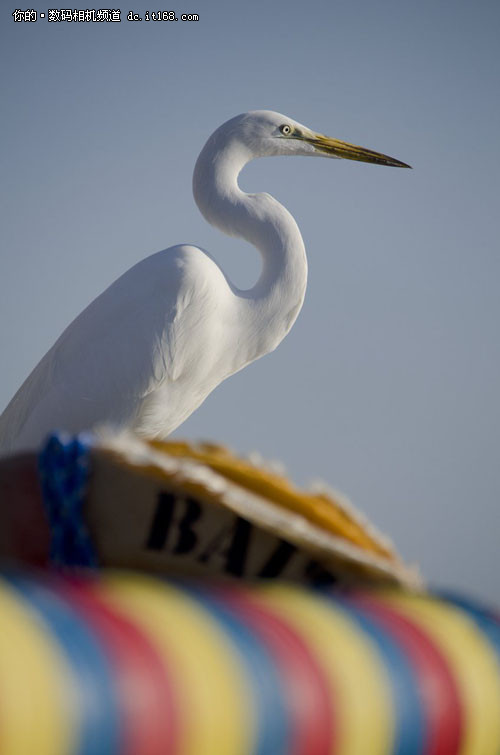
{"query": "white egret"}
[(147, 351)]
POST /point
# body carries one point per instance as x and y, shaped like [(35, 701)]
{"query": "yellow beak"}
[(337, 148)]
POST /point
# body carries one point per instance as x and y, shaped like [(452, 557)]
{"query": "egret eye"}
[(286, 130)]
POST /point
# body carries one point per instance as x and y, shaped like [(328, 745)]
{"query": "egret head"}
[(265, 133)]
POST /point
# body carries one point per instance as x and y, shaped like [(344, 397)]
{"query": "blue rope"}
[(64, 465)]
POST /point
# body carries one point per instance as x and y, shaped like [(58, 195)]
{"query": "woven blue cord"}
[(64, 464)]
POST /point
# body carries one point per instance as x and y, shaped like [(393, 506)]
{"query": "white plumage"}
[(147, 351)]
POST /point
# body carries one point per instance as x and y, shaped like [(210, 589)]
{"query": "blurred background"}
[(387, 385)]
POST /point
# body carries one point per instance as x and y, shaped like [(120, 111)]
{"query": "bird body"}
[(147, 351)]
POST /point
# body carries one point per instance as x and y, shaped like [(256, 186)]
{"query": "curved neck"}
[(271, 306)]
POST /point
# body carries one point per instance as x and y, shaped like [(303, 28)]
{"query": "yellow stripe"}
[(37, 702), (216, 704), (472, 661), (361, 691)]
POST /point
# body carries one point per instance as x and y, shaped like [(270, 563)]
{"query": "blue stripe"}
[(273, 724), (488, 625), (410, 724), (99, 723)]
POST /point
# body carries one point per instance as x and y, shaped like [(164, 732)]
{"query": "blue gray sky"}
[(387, 386)]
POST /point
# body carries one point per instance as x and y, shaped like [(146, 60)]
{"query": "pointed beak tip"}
[(332, 147), (393, 163)]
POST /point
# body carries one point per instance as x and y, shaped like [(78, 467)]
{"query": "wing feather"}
[(130, 340)]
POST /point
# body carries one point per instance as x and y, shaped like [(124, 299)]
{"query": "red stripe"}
[(150, 712), (308, 694), (438, 687)]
